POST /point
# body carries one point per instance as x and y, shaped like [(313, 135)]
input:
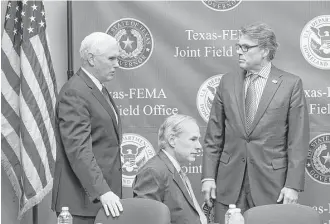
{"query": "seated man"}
[(162, 179)]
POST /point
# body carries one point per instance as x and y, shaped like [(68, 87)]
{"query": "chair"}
[(137, 211), (282, 214)]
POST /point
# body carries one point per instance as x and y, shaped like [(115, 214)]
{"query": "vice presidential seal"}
[(221, 5), (318, 159), (135, 152), (315, 42), (135, 41), (205, 96)]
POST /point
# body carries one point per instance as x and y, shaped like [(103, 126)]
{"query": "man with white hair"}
[(88, 127), (162, 178)]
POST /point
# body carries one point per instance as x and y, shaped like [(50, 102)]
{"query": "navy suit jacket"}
[(88, 160), (275, 148), (159, 180)]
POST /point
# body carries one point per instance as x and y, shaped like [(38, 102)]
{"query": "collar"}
[(173, 161), (264, 72), (95, 80)]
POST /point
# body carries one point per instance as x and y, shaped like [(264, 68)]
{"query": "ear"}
[(265, 52), (171, 141), (90, 59)]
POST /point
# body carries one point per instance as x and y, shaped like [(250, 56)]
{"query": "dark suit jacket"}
[(159, 180), (88, 156), (275, 149)]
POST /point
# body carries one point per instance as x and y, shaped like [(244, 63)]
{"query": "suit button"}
[(120, 169), (243, 160)]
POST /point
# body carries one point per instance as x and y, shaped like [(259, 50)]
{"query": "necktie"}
[(107, 97), (250, 102), (186, 181)]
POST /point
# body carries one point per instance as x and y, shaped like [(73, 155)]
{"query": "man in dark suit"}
[(88, 166), (257, 136), (162, 179)]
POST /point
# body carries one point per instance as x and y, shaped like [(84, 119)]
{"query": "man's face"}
[(106, 63), (253, 58), (187, 143)]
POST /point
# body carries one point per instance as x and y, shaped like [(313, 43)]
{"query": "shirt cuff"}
[(205, 179)]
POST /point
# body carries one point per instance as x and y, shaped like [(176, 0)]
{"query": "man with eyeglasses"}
[(257, 135)]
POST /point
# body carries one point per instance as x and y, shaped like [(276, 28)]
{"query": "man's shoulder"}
[(155, 165), (230, 75), (286, 75), (74, 85)]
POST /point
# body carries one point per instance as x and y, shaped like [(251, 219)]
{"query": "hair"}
[(264, 35), (172, 126), (94, 43)]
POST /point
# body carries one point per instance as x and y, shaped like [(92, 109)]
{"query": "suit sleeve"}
[(75, 128), (147, 185), (298, 138), (214, 137)]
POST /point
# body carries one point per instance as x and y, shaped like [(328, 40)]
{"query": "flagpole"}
[(35, 215), (70, 46)]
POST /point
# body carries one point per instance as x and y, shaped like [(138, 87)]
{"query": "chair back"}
[(282, 214), (137, 211)]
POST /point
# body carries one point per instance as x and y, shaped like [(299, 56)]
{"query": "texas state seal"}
[(318, 159), (221, 5), (135, 40)]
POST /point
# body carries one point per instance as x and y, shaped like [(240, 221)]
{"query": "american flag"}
[(28, 95)]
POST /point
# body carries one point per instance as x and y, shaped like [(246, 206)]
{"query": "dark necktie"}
[(186, 181), (107, 97), (250, 102)]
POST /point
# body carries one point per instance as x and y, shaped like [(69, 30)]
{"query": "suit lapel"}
[(118, 116), (99, 96), (272, 84), (176, 177), (239, 92)]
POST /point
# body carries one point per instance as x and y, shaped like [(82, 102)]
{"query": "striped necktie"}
[(107, 97), (250, 102), (186, 181)]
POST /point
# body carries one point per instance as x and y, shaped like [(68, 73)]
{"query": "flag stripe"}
[(11, 174), (44, 42), (37, 126), (45, 78), (14, 167), (8, 112), (10, 134), (39, 108), (11, 98), (12, 54), (10, 74), (34, 176), (11, 157), (32, 140)]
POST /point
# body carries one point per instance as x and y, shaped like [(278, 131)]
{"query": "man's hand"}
[(288, 195), (208, 189), (111, 202)]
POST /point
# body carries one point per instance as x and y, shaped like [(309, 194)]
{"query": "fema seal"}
[(206, 95), (222, 5), (318, 159), (315, 42), (135, 41), (135, 152)]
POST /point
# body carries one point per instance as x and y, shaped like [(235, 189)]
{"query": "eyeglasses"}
[(245, 48)]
